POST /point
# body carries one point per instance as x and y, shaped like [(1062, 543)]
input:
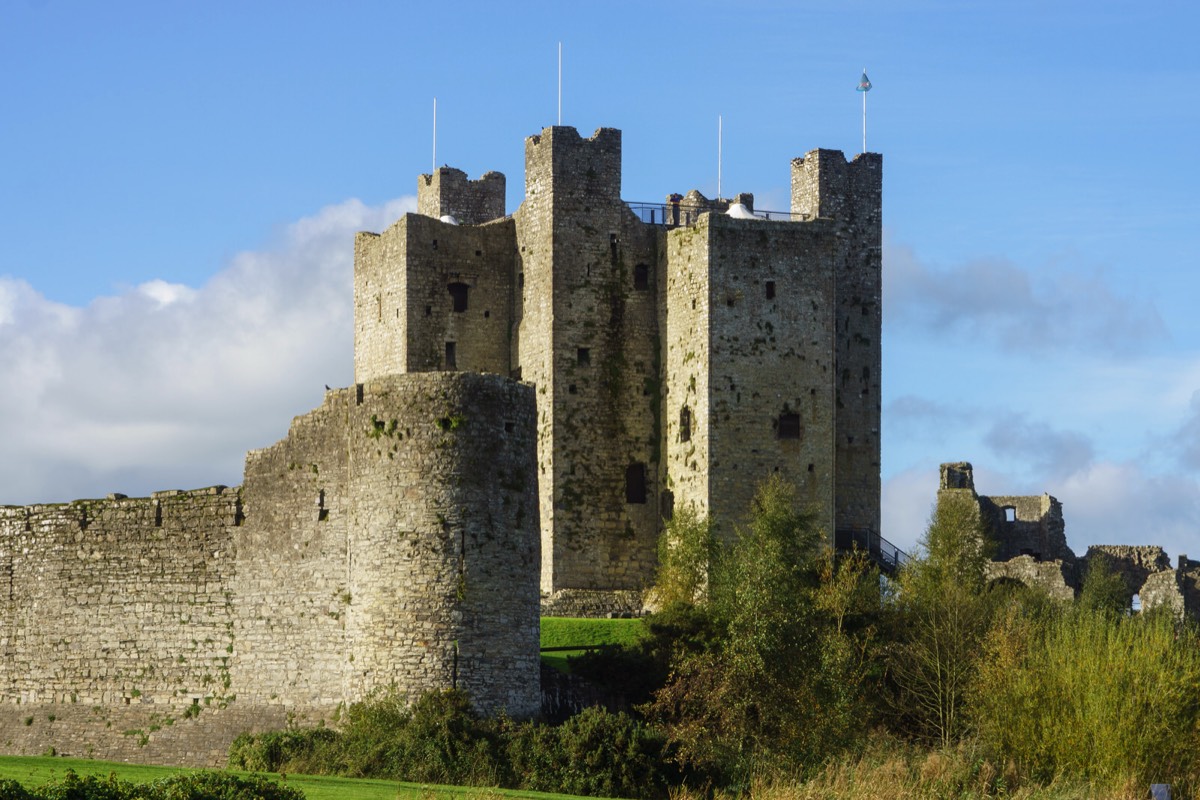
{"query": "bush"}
[(186, 786), (282, 751), (596, 753), (1093, 695)]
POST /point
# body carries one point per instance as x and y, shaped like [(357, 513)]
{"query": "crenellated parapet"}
[(447, 194)]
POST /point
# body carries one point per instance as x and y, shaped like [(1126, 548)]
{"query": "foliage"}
[(686, 552), (1105, 698), (185, 786), (1103, 589), (595, 752), (901, 770), (775, 685), (441, 740), (944, 616)]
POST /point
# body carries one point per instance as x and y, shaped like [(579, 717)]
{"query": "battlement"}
[(449, 193), (561, 162), (825, 184)]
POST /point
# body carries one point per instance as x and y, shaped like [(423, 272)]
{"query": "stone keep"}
[(675, 361)]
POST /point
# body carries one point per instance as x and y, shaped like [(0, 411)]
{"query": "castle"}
[(533, 394), (677, 359)]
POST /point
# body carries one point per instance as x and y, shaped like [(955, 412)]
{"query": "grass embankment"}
[(31, 771), (585, 634)]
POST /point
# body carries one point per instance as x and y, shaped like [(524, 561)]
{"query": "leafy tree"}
[(776, 688), (1103, 589), (686, 552), (944, 617)]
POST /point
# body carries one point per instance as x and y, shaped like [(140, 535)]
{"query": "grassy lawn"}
[(33, 771), (584, 633)]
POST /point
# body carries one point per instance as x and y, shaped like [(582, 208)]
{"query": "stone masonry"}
[(676, 361), (1030, 546), (388, 543)]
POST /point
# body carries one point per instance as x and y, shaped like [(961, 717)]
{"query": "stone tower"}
[(677, 359)]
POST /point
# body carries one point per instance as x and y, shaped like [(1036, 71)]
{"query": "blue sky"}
[(181, 182)]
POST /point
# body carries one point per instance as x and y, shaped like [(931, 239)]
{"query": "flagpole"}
[(719, 156), (864, 86), (864, 94), (434, 135), (560, 84)]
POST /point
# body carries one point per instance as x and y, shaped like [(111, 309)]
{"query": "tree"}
[(686, 551), (776, 689), (944, 617), (1103, 590)]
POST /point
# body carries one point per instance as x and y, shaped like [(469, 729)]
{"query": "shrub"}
[(596, 753), (1093, 695), (186, 786)]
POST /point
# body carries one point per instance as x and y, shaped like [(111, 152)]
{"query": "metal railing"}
[(673, 215), (889, 557)]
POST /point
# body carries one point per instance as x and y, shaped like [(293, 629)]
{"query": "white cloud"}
[(1052, 453), (907, 503), (994, 301), (166, 386)]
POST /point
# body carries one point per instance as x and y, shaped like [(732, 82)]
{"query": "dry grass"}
[(889, 770)]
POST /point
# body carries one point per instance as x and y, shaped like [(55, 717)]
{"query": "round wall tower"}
[(444, 540)]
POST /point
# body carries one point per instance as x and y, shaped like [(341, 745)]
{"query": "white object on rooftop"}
[(739, 211), (449, 220)]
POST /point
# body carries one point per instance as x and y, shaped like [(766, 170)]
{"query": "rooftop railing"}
[(673, 215)]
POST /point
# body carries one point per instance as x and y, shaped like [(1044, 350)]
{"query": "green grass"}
[(573, 631), (33, 771), (585, 633)]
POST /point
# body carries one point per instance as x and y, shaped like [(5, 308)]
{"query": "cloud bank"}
[(166, 386), (992, 300)]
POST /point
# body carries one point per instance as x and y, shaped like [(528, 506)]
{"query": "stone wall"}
[(429, 295), (755, 303), (826, 186), (389, 542), (447, 192), (587, 338), (118, 601), (1057, 580), (1030, 546)]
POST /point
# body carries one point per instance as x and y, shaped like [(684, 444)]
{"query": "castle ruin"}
[(1028, 534), (534, 393)]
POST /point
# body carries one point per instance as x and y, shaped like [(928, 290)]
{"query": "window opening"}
[(458, 292), (641, 277), (789, 426), (451, 355), (685, 424), (667, 504), (583, 356), (635, 483), (770, 290), (1010, 514)]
